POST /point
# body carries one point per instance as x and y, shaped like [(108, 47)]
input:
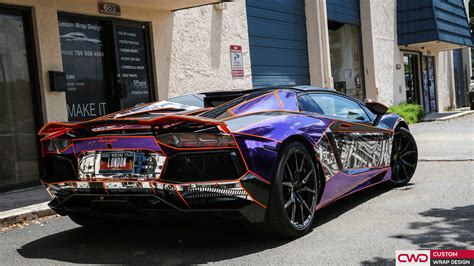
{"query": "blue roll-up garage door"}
[(278, 43), (344, 11)]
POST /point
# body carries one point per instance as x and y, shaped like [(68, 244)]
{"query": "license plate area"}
[(116, 162), (133, 164)]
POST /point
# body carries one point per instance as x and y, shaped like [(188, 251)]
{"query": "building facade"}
[(65, 60)]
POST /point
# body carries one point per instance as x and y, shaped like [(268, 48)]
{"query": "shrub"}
[(412, 113)]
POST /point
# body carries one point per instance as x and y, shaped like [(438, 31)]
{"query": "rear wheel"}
[(294, 193), (404, 157)]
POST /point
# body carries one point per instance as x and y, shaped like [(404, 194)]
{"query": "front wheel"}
[(404, 157), (294, 193)]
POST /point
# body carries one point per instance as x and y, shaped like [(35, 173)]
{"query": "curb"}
[(445, 159), (449, 117), (24, 214)]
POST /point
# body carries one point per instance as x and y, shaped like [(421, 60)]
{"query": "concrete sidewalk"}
[(24, 205), (445, 140), (446, 115), (22, 198)]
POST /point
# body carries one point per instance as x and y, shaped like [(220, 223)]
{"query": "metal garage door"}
[(278, 44), (344, 11)]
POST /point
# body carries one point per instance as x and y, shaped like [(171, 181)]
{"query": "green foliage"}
[(412, 113)]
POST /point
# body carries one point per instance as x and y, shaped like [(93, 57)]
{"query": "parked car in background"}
[(271, 156)]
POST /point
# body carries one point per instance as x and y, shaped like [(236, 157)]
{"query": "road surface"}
[(435, 211)]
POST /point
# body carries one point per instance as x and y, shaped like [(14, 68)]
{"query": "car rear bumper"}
[(246, 197)]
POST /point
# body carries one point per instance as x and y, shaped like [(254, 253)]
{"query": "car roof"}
[(302, 88), (228, 95), (311, 88)]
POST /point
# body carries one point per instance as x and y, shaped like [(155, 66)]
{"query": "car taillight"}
[(56, 145), (196, 140)]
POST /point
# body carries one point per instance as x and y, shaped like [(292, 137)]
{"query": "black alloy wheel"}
[(404, 157), (294, 192)]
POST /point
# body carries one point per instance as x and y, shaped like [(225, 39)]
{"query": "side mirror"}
[(377, 108)]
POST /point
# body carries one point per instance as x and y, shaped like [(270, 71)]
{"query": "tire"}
[(404, 157), (294, 193), (90, 221)]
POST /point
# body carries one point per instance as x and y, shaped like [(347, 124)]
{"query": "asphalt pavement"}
[(446, 140), (435, 211)]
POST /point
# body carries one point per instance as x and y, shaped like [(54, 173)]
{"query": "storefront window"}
[(82, 50), (106, 65), (346, 58), (132, 64), (411, 71), (18, 142), (429, 84)]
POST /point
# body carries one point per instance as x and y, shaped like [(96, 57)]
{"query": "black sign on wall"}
[(106, 65), (82, 51), (132, 65)]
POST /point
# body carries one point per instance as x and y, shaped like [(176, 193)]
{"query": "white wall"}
[(200, 54), (445, 80), (381, 52)]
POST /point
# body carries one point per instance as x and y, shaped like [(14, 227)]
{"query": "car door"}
[(358, 145)]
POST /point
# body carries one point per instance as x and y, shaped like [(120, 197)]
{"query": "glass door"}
[(18, 106), (429, 84), (412, 81), (85, 64), (106, 65), (132, 65)]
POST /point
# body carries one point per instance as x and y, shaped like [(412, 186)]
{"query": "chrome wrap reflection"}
[(327, 158), (361, 150)]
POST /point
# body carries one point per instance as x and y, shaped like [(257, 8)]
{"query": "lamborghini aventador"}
[(272, 156)]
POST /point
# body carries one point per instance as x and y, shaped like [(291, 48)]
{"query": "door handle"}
[(345, 125)]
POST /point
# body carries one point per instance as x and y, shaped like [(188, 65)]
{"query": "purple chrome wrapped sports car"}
[(272, 156)]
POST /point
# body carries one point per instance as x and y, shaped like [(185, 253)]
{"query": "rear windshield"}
[(220, 111), (190, 99)]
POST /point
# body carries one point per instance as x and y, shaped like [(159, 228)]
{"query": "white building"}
[(115, 55)]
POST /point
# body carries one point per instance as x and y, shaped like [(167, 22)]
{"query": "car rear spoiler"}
[(56, 128)]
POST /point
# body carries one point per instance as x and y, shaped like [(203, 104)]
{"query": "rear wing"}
[(56, 128)]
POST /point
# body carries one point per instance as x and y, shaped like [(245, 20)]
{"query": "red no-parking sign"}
[(236, 61)]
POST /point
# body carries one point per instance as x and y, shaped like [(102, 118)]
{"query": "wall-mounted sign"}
[(133, 64), (236, 61), (109, 9), (82, 51)]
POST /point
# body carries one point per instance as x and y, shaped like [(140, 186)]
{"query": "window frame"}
[(359, 103), (31, 55), (111, 67)]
